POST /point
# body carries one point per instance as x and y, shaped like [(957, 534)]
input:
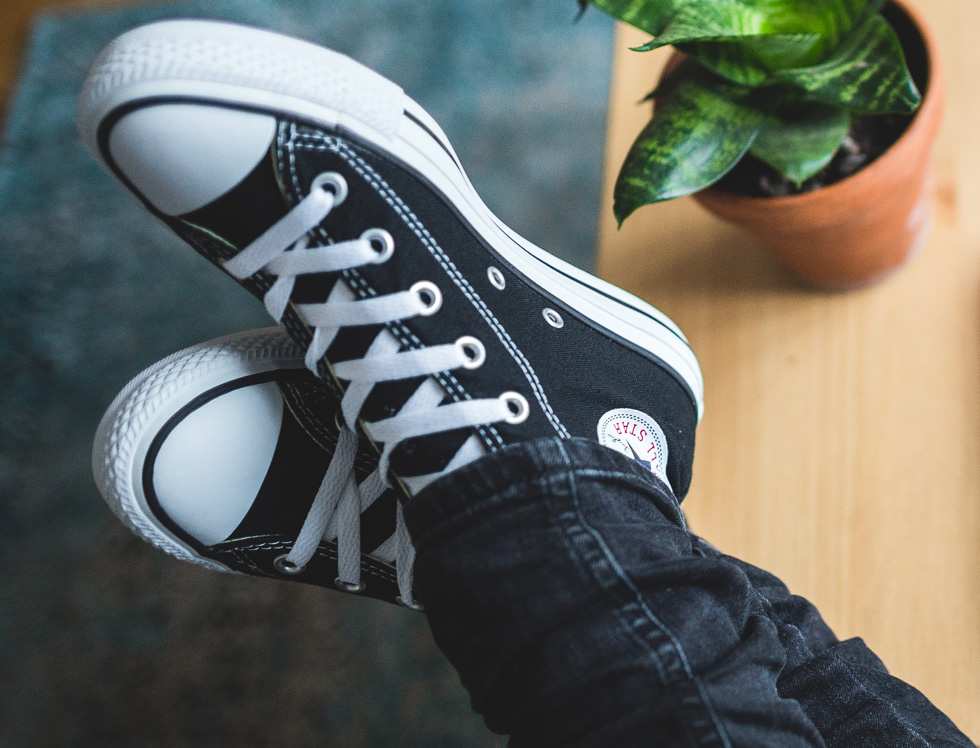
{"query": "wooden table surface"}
[(840, 447)]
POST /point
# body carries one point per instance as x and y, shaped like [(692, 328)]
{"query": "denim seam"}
[(470, 510), (706, 726)]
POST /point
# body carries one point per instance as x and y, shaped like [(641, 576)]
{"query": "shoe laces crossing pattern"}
[(284, 252)]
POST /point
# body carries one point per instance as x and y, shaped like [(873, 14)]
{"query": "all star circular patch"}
[(636, 435)]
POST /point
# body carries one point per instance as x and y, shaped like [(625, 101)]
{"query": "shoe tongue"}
[(246, 211), (242, 215)]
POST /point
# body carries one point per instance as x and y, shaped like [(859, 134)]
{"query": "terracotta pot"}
[(860, 229)]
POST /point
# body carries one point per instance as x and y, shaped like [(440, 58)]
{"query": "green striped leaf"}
[(866, 73), (778, 51), (746, 39), (831, 19), (688, 20), (646, 15), (695, 137), (751, 61), (711, 20), (800, 139), (845, 15)]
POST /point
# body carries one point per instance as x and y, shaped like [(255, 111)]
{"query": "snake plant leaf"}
[(848, 14), (866, 73), (646, 15), (728, 19), (736, 41), (835, 19), (698, 20), (801, 138), (749, 61), (831, 19), (715, 19), (695, 137), (744, 40)]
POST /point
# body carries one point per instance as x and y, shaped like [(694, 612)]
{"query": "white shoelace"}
[(335, 514)]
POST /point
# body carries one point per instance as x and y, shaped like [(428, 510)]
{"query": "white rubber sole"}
[(150, 400), (243, 66)]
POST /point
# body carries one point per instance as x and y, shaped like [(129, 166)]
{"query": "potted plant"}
[(808, 122)]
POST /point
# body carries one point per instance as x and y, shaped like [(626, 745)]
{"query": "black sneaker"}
[(335, 198), (225, 454)]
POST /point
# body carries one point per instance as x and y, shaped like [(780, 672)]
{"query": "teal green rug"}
[(106, 642)]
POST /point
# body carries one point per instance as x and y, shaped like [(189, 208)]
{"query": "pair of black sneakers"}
[(417, 333)]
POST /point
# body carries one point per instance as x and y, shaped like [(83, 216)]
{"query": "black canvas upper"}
[(570, 375)]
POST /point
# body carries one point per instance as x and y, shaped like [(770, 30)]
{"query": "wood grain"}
[(840, 446)]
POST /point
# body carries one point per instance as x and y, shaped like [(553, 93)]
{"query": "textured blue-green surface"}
[(106, 642)]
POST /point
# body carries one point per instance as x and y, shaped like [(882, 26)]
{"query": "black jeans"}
[(560, 580)]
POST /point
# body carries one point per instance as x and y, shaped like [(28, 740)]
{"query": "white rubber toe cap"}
[(212, 464), (183, 156)]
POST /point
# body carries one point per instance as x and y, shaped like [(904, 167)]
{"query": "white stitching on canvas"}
[(360, 287), (327, 143)]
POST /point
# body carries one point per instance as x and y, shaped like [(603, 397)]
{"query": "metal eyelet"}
[(382, 243), (283, 566), (517, 405), (340, 584), (497, 279), (410, 606), (552, 317), (474, 351), (333, 182), (430, 295)]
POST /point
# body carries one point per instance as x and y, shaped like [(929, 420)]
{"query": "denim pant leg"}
[(559, 579), (843, 687)]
